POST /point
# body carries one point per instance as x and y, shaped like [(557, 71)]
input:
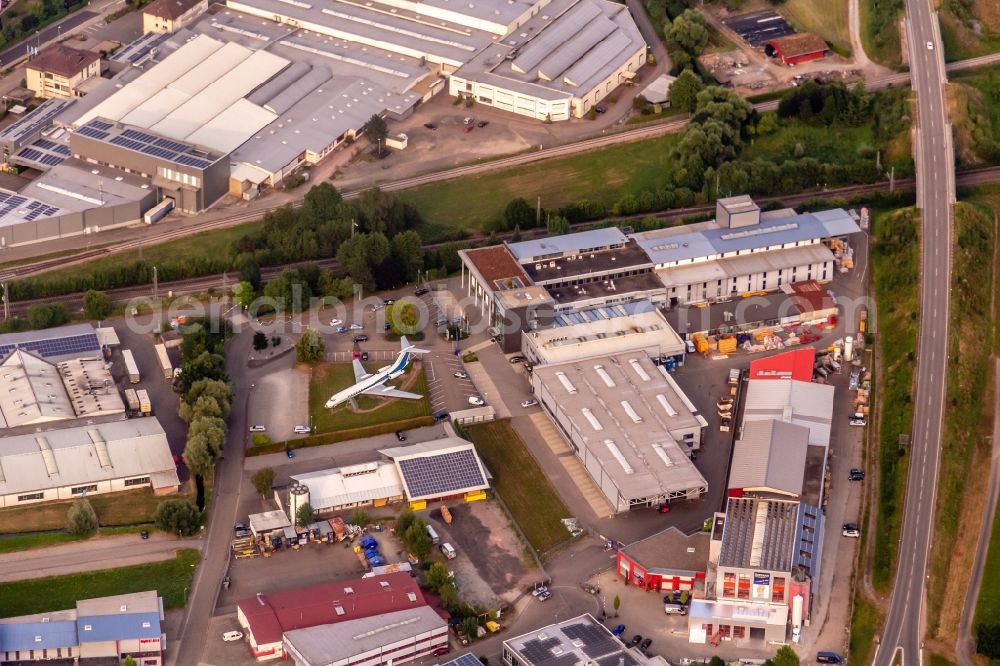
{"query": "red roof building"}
[(667, 561), (800, 47), (796, 364), (266, 617)]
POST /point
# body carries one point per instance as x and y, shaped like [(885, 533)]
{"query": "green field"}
[(522, 484), (603, 175), (988, 605), (329, 378), (116, 509), (969, 415), (825, 18), (826, 144), (894, 263), (171, 579)]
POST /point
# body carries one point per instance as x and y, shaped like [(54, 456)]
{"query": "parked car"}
[(420, 291), (858, 420), (357, 327), (476, 401), (468, 120), (517, 359), (646, 643), (468, 128), (364, 356), (829, 658), (635, 640), (461, 375), (144, 534), (544, 596), (341, 329), (663, 508), (539, 590), (302, 430), (387, 327), (389, 301), (725, 424), (258, 428), (336, 322), (430, 126), (689, 345), (230, 636), (377, 306), (851, 530), (856, 475), (441, 416), (400, 436), (619, 630), (361, 338), (483, 123), (600, 108), (530, 402)]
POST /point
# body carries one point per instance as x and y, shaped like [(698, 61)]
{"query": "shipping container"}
[(132, 400), (130, 366), (165, 364)]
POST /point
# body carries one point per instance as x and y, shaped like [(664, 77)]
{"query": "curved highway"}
[(902, 637)]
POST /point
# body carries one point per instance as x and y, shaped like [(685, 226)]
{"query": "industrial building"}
[(667, 561), (629, 423), (394, 637), (805, 404), (69, 463), (769, 458), (58, 70), (521, 287), (625, 327), (106, 630), (269, 620), (578, 641), (443, 469)]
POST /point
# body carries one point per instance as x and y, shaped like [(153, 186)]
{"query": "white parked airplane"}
[(374, 384)]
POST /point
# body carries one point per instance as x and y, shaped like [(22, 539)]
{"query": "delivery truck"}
[(145, 406)]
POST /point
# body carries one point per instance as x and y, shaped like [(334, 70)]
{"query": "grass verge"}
[(328, 378), (19, 542), (522, 484), (895, 260), (961, 41), (864, 626), (880, 31), (968, 414), (114, 509), (988, 605), (171, 579)]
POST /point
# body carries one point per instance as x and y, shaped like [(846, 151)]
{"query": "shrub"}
[(81, 519)]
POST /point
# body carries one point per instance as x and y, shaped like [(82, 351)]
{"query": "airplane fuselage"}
[(384, 375)]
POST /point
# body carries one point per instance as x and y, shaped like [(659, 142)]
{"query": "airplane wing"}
[(390, 392), (359, 372)]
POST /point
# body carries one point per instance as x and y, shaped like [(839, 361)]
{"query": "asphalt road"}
[(53, 31), (905, 627), (98, 553)]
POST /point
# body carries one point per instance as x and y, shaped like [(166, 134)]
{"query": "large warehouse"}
[(629, 423), (86, 460)]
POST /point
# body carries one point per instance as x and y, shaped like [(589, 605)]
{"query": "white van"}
[(432, 533), (675, 609), (448, 551), (232, 636)]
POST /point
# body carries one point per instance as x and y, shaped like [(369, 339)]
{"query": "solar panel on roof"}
[(17, 200), (30, 154), (45, 143), (170, 145), (441, 474), (127, 143), (139, 136), (62, 150), (51, 160), (100, 124), (467, 659), (195, 162), (92, 132)]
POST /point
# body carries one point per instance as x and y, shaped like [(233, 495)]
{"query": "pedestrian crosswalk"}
[(572, 464)]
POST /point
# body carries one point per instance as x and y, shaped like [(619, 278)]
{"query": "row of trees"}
[(18, 24)]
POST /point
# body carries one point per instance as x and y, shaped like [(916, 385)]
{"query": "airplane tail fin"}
[(405, 345)]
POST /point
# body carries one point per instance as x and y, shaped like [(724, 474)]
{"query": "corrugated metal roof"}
[(37, 635), (124, 626), (680, 244), (770, 455), (810, 405), (595, 238), (231, 127)]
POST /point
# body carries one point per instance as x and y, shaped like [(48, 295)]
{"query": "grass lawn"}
[(864, 626), (968, 417), (329, 378), (171, 579), (602, 175), (825, 18), (826, 144), (522, 484), (895, 253), (116, 509)]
